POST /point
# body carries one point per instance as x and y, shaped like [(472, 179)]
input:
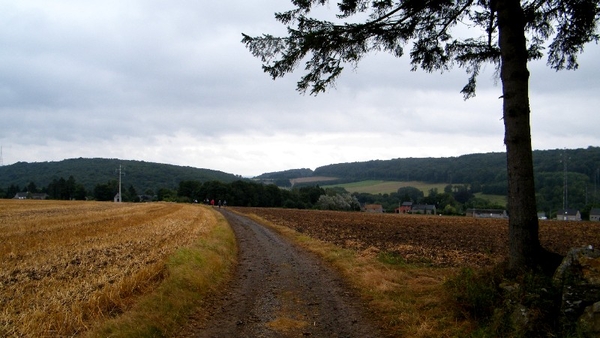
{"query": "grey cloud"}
[(171, 81)]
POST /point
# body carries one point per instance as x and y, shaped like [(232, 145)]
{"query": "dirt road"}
[(279, 291)]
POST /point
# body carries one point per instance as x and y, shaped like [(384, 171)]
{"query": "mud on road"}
[(279, 290)]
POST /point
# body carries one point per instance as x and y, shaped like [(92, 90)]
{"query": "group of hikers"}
[(219, 203)]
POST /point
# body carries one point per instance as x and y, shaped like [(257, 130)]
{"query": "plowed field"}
[(437, 240), (66, 264)]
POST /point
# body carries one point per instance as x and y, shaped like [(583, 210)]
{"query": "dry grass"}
[(68, 265)]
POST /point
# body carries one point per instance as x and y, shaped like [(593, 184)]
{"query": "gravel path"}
[(279, 291)]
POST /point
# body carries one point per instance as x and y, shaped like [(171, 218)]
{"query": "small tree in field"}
[(511, 33)]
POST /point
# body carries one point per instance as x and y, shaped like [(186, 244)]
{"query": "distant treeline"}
[(237, 193), (248, 194), (70, 189)]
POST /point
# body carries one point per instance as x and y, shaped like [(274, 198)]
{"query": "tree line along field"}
[(66, 265), (435, 240)]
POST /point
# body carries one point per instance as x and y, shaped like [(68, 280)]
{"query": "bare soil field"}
[(65, 265), (435, 240)]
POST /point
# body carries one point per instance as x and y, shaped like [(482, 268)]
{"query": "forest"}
[(90, 172), (485, 170)]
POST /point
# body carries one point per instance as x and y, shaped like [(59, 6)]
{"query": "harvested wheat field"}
[(66, 265), (436, 240)]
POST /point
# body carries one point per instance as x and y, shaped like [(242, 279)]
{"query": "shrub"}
[(475, 292), (521, 306)]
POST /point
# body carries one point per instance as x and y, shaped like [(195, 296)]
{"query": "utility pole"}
[(596, 173), (1, 161), (565, 184), (120, 198)]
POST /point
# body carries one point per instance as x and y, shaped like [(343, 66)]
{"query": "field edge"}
[(192, 274)]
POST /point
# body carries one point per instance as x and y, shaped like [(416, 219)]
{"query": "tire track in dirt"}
[(279, 290)]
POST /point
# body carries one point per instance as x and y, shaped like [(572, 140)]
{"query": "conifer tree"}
[(511, 33)]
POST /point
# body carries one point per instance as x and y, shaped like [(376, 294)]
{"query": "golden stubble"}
[(66, 265)]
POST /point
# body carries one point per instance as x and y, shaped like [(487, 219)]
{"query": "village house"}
[(404, 208), (595, 215), (21, 195), (425, 209), (568, 215), (487, 213), (374, 208), (33, 196)]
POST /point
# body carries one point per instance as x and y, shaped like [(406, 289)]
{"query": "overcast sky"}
[(170, 82)]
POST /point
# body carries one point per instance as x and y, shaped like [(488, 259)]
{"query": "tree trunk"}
[(524, 245)]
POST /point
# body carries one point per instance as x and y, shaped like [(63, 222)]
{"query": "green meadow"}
[(386, 187)]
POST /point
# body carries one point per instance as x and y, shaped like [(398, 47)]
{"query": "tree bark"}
[(524, 246)]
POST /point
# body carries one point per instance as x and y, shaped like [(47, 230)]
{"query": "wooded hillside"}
[(90, 172), (487, 168), (484, 173)]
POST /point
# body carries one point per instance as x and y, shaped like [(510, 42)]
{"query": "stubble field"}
[(436, 240), (66, 265)]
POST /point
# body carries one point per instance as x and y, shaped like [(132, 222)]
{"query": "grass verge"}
[(191, 274), (408, 300)]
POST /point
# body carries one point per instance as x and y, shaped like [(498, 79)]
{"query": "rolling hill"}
[(489, 168), (90, 172)]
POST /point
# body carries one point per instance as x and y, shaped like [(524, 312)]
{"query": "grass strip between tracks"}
[(192, 273), (407, 300)]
